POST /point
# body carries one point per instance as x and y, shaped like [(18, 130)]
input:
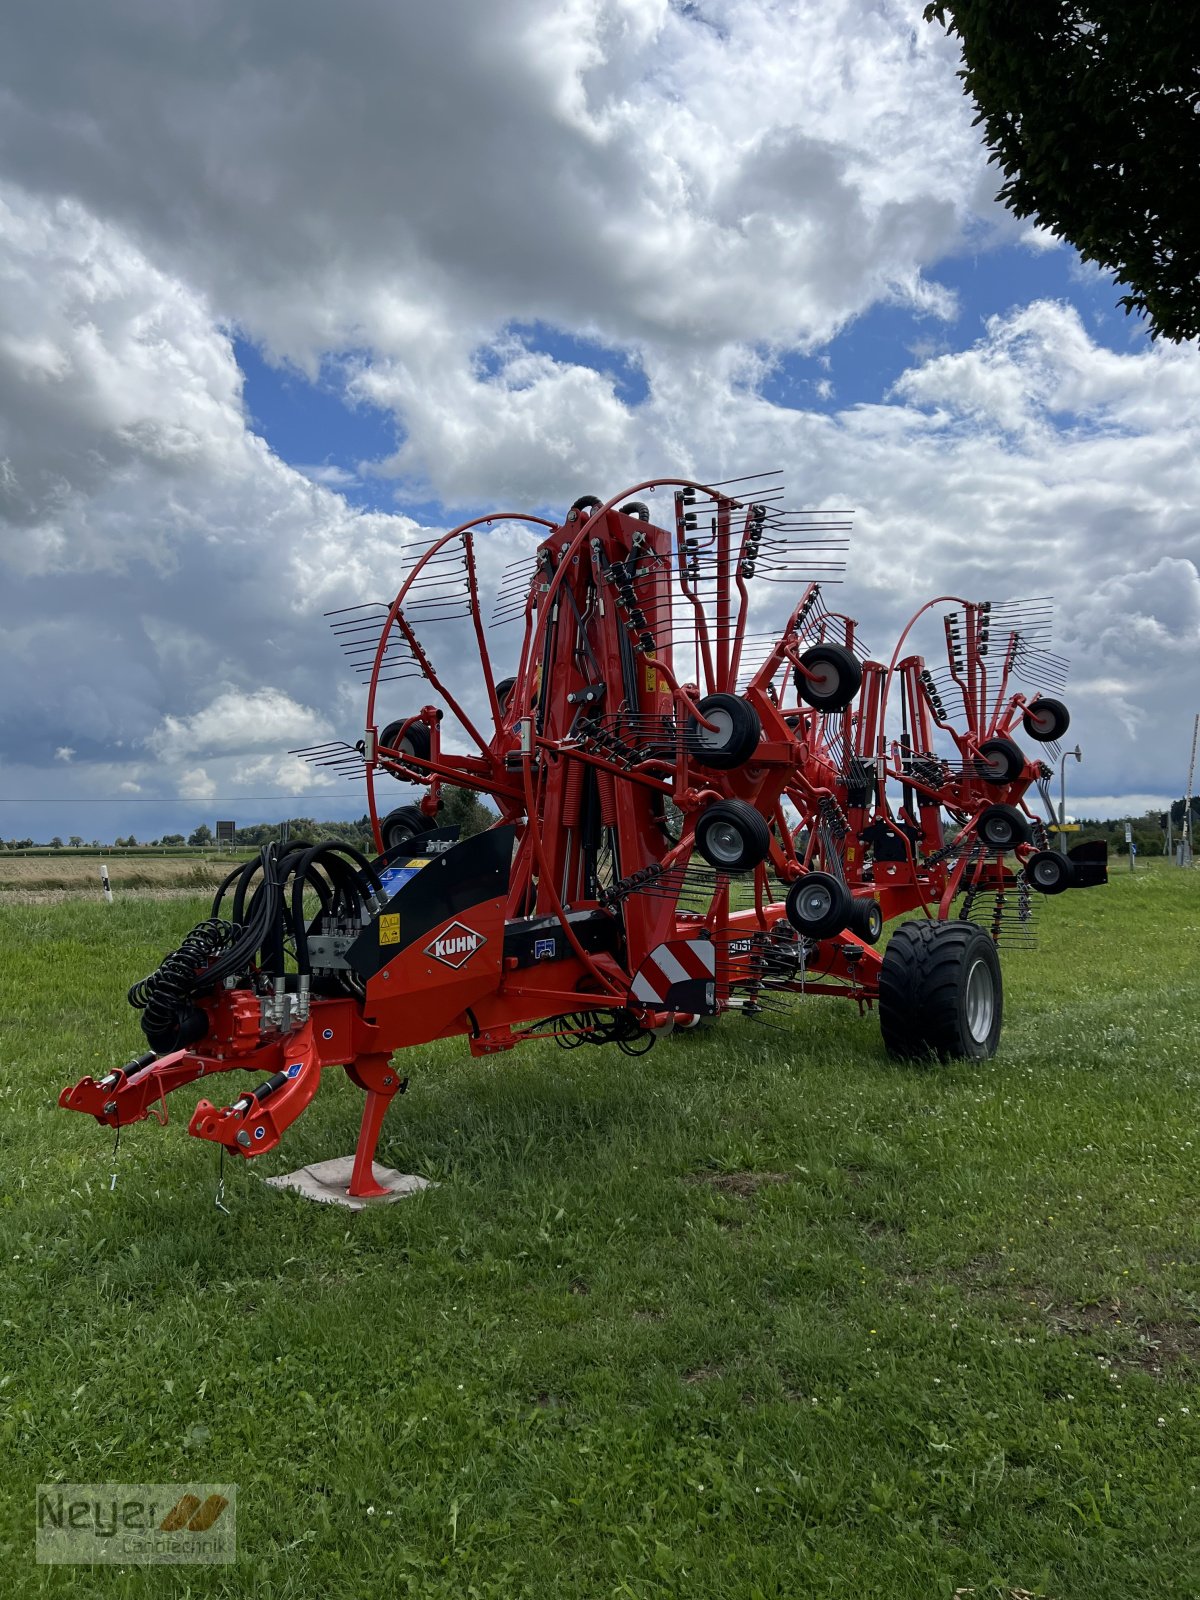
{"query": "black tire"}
[(504, 691), (587, 502), (818, 905), (940, 993), (415, 741), (837, 677), (1000, 761), (734, 739), (866, 920), (1046, 719), (1002, 828), (732, 836), (403, 824), (1050, 873), (636, 508)]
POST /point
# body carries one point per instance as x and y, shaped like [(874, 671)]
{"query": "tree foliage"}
[(1092, 111)]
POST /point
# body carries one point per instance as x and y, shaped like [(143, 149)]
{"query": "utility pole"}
[(1185, 852), (1062, 798)]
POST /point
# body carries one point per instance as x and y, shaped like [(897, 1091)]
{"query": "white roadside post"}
[(104, 883), (1129, 843)]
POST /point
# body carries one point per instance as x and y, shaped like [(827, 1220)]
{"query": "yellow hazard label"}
[(418, 861), (389, 928), (654, 679), (851, 854)]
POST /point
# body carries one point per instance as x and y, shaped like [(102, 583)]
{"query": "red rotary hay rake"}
[(694, 817)]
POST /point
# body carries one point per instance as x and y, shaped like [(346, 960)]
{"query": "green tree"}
[(56, 843), (1090, 108), (201, 835), (173, 838), (75, 842), (463, 807)]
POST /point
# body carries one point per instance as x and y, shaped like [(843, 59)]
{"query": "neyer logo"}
[(455, 945)]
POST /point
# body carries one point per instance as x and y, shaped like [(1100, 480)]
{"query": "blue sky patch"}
[(316, 428)]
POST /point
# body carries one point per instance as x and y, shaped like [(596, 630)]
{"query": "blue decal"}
[(543, 948), (295, 1069), (394, 878), (327, 1033)]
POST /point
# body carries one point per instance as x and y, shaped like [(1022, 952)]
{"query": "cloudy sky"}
[(283, 284)]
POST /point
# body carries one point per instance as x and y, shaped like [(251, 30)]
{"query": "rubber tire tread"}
[(921, 992), (756, 835)]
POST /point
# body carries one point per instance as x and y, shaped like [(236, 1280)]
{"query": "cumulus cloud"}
[(695, 190)]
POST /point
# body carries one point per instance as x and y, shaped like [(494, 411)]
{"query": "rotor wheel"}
[(734, 736), (1046, 719), (831, 678), (1049, 873), (818, 905), (866, 920), (732, 836), (940, 993), (403, 825), (415, 741), (1002, 828), (999, 761)]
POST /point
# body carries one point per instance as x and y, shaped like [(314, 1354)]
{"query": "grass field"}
[(762, 1315), (66, 871)]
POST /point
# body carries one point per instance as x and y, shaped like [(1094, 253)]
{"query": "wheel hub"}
[(981, 1000)]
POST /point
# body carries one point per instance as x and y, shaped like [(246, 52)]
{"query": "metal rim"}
[(814, 903), (1046, 872), (998, 833), (724, 840), (980, 1000), (994, 765), (719, 735), (823, 678)]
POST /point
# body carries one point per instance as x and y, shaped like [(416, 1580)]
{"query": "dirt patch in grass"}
[(1156, 1346), (743, 1184), (702, 1375)]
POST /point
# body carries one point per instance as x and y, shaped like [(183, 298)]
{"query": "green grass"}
[(760, 1315)]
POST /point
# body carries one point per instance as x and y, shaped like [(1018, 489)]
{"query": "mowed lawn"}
[(762, 1314)]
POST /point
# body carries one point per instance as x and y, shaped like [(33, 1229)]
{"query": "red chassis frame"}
[(580, 905)]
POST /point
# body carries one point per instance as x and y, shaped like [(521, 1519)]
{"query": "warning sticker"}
[(389, 928), (654, 679)]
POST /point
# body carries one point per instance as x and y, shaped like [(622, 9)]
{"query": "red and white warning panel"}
[(679, 975)]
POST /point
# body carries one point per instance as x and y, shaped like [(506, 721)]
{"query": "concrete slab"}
[(328, 1182)]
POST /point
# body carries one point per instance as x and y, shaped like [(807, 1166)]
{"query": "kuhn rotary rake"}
[(696, 815)]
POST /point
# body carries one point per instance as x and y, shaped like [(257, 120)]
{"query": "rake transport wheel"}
[(818, 905), (1046, 719), (415, 741), (866, 920), (831, 677), (940, 993), (1003, 828), (1000, 761), (403, 824), (1049, 872), (732, 836), (732, 739)]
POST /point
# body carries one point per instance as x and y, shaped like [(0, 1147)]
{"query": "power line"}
[(168, 800)]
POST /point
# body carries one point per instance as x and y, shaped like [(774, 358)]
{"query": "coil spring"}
[(602, 1027), (163, 994)]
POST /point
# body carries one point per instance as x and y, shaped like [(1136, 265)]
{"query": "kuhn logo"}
[(455, 945)]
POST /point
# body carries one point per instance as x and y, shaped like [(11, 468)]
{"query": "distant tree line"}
[(1149, 830), (460, 807)]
